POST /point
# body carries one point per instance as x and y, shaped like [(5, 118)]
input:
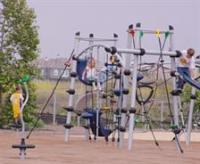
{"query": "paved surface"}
[(51, 149)]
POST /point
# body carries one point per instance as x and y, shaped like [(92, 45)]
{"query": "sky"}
[(59, 20)]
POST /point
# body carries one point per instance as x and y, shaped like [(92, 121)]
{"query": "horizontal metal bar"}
[(152, 31), (132, 51), (97, 39), (147, 52)]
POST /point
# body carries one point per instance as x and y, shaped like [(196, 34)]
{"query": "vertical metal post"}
[(133, 103), (87, 135), (174, 97), (121, 121), (114, 115), (127, 62), (122, 125), (189, 126), (54, 108), (181, 111), (122, 108), (173, 68), (162, 113), (114, 120), (72, 84), (22, 151), (143, 111), (91, 42), (78, 120)]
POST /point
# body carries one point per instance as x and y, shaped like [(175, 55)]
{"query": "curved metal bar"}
[(27, 97), (22, 108), (100, 46), (89, 47)]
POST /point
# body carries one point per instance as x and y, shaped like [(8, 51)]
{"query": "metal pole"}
[(122, 125), (87, 130), (54, 108), (145, 31), (22, 151), (71, 96), (174, 97), (125, 81), (114, 115), (148, 52), (133, 103), (92, 39), (161, 113), (189, 127)]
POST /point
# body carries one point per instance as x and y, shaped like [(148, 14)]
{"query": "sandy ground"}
[(51, 149)]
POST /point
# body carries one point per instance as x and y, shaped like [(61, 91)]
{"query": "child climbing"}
[(109, 69), (111, 66), (89, 73), (17, 100), (186, 65)]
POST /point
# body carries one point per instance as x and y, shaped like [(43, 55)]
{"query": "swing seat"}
[(23, 146), (139, 77), (86, 115), (102, 131)]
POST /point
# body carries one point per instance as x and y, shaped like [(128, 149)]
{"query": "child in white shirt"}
[(186, 65)]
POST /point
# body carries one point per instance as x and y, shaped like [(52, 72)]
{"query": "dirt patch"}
[(51, 149)]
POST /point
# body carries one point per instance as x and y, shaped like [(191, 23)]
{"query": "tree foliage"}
[(18, 48)]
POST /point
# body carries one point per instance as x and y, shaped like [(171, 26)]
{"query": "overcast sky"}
[(58, 20)]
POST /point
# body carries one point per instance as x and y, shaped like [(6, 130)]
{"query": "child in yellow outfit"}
[(17, 100)]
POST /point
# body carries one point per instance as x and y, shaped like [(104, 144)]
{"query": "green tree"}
[(18, 48)]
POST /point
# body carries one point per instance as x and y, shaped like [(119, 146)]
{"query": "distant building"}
[(51, 69)]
